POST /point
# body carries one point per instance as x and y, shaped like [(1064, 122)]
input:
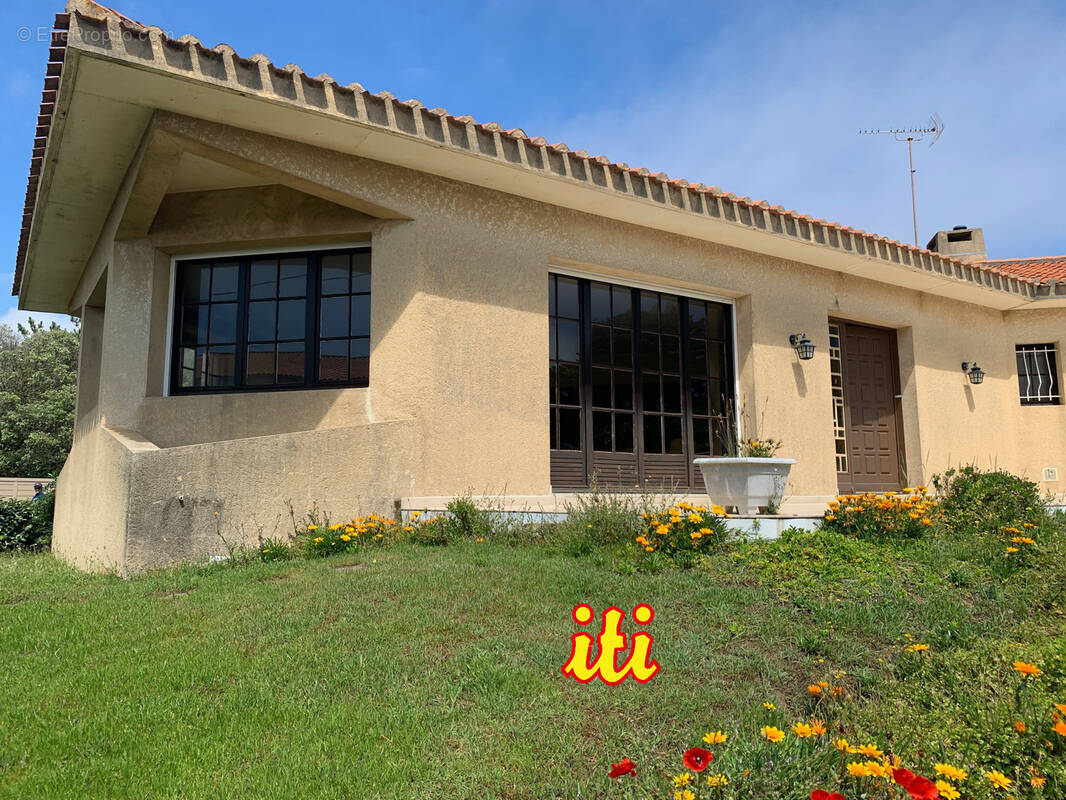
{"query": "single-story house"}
[(296, 292)]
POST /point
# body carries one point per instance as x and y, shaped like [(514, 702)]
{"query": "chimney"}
[(967, 244)]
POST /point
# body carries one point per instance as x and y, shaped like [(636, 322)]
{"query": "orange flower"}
[(814, 688), (1028, 669), (1019, 726)]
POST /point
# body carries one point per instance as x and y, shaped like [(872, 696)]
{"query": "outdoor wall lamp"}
[(973, 372), (802, 345)]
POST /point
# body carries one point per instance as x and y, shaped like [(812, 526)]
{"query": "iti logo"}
[(610, 642)]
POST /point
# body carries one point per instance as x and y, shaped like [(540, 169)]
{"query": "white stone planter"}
[(746, 483)]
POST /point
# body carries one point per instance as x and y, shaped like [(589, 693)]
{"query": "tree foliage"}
[(38, 390)]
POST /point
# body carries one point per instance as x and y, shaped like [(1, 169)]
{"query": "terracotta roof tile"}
[(1020, 277)]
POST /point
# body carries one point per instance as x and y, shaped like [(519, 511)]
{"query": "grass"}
[(435, 671)]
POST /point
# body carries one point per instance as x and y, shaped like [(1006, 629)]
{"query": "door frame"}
[(897, 395)]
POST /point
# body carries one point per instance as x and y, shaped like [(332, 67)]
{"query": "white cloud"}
[(12, 316)]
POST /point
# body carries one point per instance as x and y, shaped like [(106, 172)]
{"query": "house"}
[(296, 292)]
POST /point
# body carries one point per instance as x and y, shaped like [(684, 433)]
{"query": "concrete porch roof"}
[(107, 75)]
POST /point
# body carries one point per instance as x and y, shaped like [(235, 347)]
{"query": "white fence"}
[(19, 488)]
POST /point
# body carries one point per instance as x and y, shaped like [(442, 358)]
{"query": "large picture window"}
[(269, 322), (640, 382)]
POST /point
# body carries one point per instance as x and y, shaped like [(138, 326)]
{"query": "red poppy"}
[(822, 794), (917, 787), (697, 759), (625, 767)]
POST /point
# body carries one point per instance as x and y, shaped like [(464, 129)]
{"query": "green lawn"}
[(435, 671)]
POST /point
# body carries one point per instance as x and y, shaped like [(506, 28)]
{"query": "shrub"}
[(889, 515), (681, 532), (27, 524), (972, 500), (319, 538)]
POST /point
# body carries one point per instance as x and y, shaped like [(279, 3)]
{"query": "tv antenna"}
[(910, 136)]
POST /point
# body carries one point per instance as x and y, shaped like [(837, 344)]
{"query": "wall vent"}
[(1051, 473)]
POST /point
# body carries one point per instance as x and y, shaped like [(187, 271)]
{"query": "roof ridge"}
[(1024, 258)]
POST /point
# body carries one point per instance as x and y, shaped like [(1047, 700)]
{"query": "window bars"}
[(1038, 377)]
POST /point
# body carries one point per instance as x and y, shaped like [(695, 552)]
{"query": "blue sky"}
[(762, 99)]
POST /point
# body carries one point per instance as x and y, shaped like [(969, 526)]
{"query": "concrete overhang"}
[(109, 94)]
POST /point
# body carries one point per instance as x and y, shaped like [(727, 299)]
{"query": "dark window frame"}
[(312, 322), (1050, 354), (719, 425)]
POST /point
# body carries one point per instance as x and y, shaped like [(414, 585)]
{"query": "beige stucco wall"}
[(458, 397)]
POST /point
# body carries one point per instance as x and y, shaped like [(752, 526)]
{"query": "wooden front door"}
[(872, 421)]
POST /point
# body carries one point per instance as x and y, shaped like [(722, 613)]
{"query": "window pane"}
[(671, 319), (196, 284), (334, 317), (600, 298), (263, 279), (698, 357), (671, 354), (361, 271), (569, 429), (359, 360), (569, 341), (554, 428), (623, 389), (699, 396), (223, 323), (291, 362), (220, 366), (261, 326), (653, 442), (259, 365), (716, 360), (293, 277), (601, 431), (649, 352), (697, 319), (601, 387), (649, 311), (224, 282), (551, 313), (569, 390), (716, 321), (672, 435), (715, 390), (360, 323), (701, 436), (623, 433), (600, 345), (335, 274), (194, 325), (651, 392), (292, 319), (622, 300), (671, 393), (192, 366), (567, 299), (623, 348), (333, 360), (553, 383)]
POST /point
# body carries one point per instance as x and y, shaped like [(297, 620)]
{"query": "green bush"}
[(973, 501), (27, 524)]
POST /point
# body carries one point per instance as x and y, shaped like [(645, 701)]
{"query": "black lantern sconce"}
[(973, 372), (802, 345)]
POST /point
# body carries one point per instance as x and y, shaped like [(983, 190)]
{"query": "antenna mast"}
[(910, 136)]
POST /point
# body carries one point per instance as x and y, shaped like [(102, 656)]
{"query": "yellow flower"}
[(684, 794), (814, 688), (662, 529), (870, 750), (408, 528), (695, 535), (336, 527), (1028, 669), (948, 771), (1037, 781), (917, 648), (858, 770), (717, 780), (877, 770), (649, 549), (1012, 550), (836, 691), (715, 738), (1022, 540), (802, 730), (718, 511), (706, 531), (695, 518), (312, 527), (318, 539), (841, 745), (480, 539), (817, 727), (772, 707), (947, 791), (999, 780), (684, 779), (773, 734), (830, 517), (345, 537)]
